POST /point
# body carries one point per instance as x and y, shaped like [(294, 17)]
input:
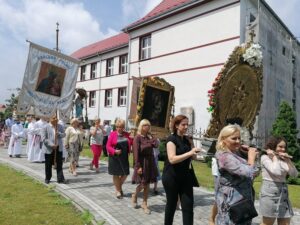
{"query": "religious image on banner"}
[(49, 83), (50, 79)]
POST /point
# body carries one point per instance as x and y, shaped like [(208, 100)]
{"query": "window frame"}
[(93, 72), (109, 68), (122, 65), (82, 73), (146, 49), (122, 99), (107, 98), (92, 100)]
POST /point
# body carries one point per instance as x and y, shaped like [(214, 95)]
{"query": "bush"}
[(162, 151)]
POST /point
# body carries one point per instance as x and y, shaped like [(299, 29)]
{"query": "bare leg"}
[(145, 198), (135, 195), (283, 221), (214, 211), (117, 183), (268, 221)]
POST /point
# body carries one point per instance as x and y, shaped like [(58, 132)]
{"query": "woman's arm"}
[(109, 145), (272, 165), (135, 148), (173, 158), (227, 161), (292, 169)]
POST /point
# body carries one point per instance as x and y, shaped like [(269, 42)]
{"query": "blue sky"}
[(81, 22)]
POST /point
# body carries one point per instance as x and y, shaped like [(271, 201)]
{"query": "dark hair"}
[(176, 121), (273, 142), (234, 120)]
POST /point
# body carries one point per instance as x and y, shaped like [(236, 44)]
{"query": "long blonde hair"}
[(141, 124), (226, 132)]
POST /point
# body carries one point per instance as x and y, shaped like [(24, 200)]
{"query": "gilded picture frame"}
[(155, 102)]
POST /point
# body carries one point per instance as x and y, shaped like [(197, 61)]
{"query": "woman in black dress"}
[(118, 147), (176, 178)]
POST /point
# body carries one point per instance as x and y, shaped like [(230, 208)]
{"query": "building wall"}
[(190, 54), (279, 48), (102, 83)]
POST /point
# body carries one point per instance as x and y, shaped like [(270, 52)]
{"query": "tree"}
[(11, 104), (285, 125)]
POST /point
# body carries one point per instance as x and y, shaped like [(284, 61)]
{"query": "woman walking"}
[(176, 178), (73, 144), (236, 175), (118, 147), (274, 195), (145, 171), (97, 134)]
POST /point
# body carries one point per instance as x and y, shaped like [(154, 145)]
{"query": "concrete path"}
[(95, 192)]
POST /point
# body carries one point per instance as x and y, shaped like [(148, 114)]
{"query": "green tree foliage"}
[(285, 125), (11, 104)]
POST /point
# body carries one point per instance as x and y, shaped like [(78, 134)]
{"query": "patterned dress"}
[(235, 184)]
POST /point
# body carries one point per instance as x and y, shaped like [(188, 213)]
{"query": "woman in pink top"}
[(118, 147), (274, 197)]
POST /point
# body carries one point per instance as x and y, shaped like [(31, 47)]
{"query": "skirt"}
[(118, 165), (274, 200), (73, 152)]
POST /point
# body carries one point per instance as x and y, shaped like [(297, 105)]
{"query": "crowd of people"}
[(51, 142)]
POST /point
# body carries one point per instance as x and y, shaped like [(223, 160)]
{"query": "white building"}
[(186, 42)]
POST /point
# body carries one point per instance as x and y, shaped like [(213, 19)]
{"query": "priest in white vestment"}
[(15, 143), (35, 153)]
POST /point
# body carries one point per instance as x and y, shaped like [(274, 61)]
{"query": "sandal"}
[(145, 208), (118, 195)]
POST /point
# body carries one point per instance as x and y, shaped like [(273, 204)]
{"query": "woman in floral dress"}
[(236, 173)]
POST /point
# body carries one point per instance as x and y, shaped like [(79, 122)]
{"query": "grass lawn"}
[(203, 173), (24, 200)]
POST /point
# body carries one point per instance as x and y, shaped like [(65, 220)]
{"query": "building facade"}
[(187, 43)]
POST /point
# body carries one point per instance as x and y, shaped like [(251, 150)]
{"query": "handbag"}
[(242, 211), (195, 182)]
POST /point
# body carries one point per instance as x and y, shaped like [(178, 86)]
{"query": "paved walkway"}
[(96, 193)]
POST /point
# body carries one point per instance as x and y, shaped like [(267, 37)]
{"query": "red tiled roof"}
[(101, 46), (163, 7), (2, 106)]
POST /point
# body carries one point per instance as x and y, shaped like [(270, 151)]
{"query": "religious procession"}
[(153, 114)]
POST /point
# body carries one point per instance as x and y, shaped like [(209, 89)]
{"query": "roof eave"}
[(171, 12), (103, 52)]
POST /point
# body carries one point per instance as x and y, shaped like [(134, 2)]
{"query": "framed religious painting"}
[(155, 103), (50, 79)]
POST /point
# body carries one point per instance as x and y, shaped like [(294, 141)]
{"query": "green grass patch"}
[(25, 201)]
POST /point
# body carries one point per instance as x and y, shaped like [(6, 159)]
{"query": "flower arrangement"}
[(253, 55), (212, 94)]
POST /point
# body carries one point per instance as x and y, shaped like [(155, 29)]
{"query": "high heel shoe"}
[(134, 200)]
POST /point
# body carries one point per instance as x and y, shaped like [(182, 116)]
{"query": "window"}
[(92, 99), (145, 47), (122, 97), (109, 67), (82, 73), (252, 18), (283, 50), (108, 98), (93, 70), (123, 63)]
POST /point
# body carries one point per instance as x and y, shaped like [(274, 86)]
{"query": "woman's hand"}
[(194, 151), (140, 171), (252, 153), (118, 151), (270, 153), (66, 146)]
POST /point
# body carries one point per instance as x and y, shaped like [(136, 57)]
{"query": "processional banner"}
[(49, 83)]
